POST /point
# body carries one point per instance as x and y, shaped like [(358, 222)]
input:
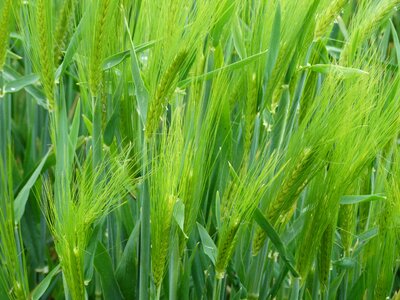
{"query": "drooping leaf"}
[(103, 265), (354, 199), (276, 240), (109, 132), (114, 60), (179, 215), (20, 83), (209, 247), (41, 288), (22, 197), (231, 67), (343, 72)]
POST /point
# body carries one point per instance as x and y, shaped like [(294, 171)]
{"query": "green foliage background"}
[(196, 149)]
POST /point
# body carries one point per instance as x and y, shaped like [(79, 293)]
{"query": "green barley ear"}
[(166, 182), (388, 224), (324, 255), (45, 49), (36, 21), (242, 196), (226, 245), (367, 20), (103, 18), (363, 209), (292, 186), (5, 20), (89, 198), (326, 18), (346, 223), (63, 28), (250, 112), (287, 195), (236, 90), (164, 90)]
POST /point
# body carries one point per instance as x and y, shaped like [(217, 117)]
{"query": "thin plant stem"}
[(144, 273)]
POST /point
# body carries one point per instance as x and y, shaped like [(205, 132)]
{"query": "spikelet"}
[(18, 292), (363, 211), (4, 31), (293, 185), (197, 86), (225, 247), (346, 224), (385, 216), (227, 203), (315, 225), (164, 89), (62, 28), (324, 21), (258, 240), (188, 199), (384, 282), (324, 255), (387, 240), (46, 57), (71, 263), (78, 262), (379, 291), (236, 89), (251, 111), (160, 242), (99, 46), (305, 253), (287, 195)]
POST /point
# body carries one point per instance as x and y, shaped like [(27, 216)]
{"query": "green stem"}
[(5, 121), (98, 293), (316, 287), (158, 292), (144, 273), (343, 287), (97, 140), (256, 269), (66, 289), (19, 251), (295, 290), (174, 269), (1, 83), (217, 288)]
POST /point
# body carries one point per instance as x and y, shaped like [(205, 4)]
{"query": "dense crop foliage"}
[(196, 149)]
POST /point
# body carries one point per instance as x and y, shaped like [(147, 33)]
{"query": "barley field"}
[(198, 149)]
